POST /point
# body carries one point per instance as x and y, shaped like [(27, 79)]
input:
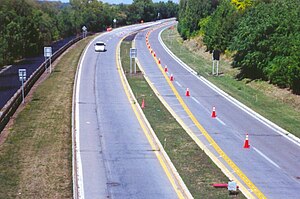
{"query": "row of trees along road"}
[(263, 36), (26, 26)]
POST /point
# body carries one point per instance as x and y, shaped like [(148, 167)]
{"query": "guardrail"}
[(11, 106)]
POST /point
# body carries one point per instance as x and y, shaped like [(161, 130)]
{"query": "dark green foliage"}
[(191, 12), (26, 26), (268, 43), (218, 31), (264, 36)]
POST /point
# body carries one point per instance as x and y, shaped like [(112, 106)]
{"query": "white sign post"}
[(133, 55), (22, 78), (48, 54), (84, 32)]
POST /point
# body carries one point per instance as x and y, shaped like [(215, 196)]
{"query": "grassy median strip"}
[(36, 158), (195, 168), (280, 107)]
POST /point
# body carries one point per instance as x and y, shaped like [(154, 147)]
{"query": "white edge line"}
[(237, 103), (76, 156), (245, 190), (78, 187), (221, 121), (178, 84), (169, 163), (195, 100), (266, 157)]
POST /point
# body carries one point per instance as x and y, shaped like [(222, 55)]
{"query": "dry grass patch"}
[(278, 105), (36, 158), (194, 166)]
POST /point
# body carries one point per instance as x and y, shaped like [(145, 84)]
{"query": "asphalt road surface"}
[(116, 158), (273, 161), (9, 77)]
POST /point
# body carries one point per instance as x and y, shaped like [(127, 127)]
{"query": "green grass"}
[(36, 158), (193, 165), (286, 115)]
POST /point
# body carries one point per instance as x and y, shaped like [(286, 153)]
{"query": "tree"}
[(219, 27), (190, 13), (267, 43)]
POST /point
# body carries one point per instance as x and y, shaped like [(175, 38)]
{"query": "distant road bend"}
[(114, 157), (272, 163)]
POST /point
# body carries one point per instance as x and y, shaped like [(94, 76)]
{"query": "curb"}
[(237, 103), (178, 180)]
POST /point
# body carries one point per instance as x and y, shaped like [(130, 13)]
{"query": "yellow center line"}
[(142, 124), (235, 168)]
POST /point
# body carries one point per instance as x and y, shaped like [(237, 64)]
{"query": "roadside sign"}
[(47, 52), (133, 55), (22, 78), (84, 28), (216, 55), (133, 52), (22, 75)]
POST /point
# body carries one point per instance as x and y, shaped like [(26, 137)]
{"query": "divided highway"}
[(114, 158), (269, 169)]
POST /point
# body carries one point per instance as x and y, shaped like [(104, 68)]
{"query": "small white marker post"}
[(133, 55), (22, 78), (48, 54)]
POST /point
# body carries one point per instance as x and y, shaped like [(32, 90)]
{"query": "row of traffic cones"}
[(187, 93), (246, 142)]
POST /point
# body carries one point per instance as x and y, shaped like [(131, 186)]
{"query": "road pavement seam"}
[(168, 167), (191, 134), (238, 171), (237, 103), (78, 188)]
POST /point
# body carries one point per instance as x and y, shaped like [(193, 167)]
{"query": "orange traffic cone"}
[(213, 114), (143, 103), (154, 54), (151, 51), (246, 143), (158, 60), (171, 78), (187, 93), (166, 68)]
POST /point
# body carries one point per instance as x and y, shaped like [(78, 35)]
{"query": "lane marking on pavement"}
[(178, 84), (79, 174), (238, 171), (144, 128), (219, 120), (76, 155), (266, 157), (289, 136), (196, 137), (196, 100)]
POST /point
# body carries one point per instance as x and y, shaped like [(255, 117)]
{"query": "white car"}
[(100, 46)]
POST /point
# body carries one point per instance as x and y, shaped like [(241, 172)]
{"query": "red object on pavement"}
[(213, 114), (246, 143), (187, 93)]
